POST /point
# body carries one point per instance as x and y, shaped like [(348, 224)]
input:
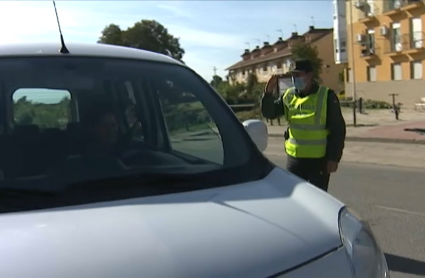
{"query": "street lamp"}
[(353, 81)]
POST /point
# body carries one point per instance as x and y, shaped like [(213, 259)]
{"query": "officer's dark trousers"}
[(310, 169)]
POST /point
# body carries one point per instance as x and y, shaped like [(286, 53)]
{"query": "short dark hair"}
[(95, 112)]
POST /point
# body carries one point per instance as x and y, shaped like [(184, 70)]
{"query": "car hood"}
[(248, 230)]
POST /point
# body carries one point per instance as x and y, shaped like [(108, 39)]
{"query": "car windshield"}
[(68, 122)]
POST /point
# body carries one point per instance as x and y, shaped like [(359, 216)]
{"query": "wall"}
[(329, 75), (409, 91)]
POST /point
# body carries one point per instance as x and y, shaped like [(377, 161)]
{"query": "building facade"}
[(386, 49), (276, 58), (340, 31)]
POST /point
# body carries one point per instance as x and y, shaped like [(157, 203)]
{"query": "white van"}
[(117, 162)]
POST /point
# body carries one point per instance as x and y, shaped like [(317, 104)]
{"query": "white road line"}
[(402, 210)]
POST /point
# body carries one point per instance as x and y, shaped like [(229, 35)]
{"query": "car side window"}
[(190, 126)]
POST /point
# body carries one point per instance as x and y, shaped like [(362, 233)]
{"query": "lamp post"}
[(353, 81)]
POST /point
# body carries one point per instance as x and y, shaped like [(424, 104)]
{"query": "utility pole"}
[(215, 71), (395, 106), (354, 93)]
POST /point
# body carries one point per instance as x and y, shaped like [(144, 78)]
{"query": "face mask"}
[(298, 83)]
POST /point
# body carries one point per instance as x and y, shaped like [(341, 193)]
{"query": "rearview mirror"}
[(257, 129)]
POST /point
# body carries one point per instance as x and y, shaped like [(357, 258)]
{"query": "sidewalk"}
[(377, 126)]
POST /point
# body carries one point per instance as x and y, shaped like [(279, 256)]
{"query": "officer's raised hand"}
[(271, 85)]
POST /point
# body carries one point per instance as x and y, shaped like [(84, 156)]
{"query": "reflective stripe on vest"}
[(307, 126)]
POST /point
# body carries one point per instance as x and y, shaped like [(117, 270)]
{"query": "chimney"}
[(246, 55), (311, 28), (255, 53), (294, 34), (266, 49)]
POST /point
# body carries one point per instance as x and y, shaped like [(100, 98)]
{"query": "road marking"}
[(402, 210)]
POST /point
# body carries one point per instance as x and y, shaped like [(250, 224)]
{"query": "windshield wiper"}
[(22, 192), (166, 181)]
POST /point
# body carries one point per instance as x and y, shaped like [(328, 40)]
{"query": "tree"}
[(309, 51), (341, 78), (147, 35), (112, 34), (216, 81)]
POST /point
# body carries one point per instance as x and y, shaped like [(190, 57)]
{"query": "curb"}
[(373, 139)]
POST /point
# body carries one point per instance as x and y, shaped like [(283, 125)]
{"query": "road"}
[(391, 199)]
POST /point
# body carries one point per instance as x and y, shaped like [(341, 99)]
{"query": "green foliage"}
[(44, 115), (145, 34), (341, 77), (309, 51), (216, 81)]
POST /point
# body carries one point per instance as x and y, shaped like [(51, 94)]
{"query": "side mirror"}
[(257, 129)]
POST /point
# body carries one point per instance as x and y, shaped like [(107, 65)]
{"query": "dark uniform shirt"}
[(271, 109)]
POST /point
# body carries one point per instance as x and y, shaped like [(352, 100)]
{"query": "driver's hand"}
[(271, 85)]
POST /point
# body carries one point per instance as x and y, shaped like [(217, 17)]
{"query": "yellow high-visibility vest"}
[(306, 117)]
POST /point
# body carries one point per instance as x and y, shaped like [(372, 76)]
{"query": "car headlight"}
[(366, 258)]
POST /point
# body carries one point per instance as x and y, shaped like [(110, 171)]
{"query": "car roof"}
[(81, 49)]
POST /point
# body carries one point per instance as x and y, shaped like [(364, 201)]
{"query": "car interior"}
[(30, 153)]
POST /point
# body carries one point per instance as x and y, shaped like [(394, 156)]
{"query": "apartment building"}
[(276, 58), (340, 32), (388, 50)]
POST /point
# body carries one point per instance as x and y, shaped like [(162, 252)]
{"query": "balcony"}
[(409, 44), (416, 42), (392, 7), (409, 5), (368, 50), (368, 13), (396, 45)]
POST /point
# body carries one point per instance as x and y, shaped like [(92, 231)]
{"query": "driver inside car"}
[(100, 126)]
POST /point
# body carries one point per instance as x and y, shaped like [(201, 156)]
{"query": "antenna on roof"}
[(295, 27), (63, 49), (281, 32), (248, 44), (268, 38), (312, 21)]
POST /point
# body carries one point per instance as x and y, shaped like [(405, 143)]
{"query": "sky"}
[(214, 34)]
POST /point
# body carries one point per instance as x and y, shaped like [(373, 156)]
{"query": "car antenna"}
[(63, 49)]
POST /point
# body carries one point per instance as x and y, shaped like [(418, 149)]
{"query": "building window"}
[(416, 31), (336, 45), (342, 46), (47, 108), (396, 40), (396, 73), (371, 73), (265, 68), (279, 65), (416, 70), (371, 39)]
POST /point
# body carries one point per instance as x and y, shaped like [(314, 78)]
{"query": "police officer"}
[(314, 140)]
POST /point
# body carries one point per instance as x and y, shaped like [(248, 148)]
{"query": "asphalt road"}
[(391, 199)]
